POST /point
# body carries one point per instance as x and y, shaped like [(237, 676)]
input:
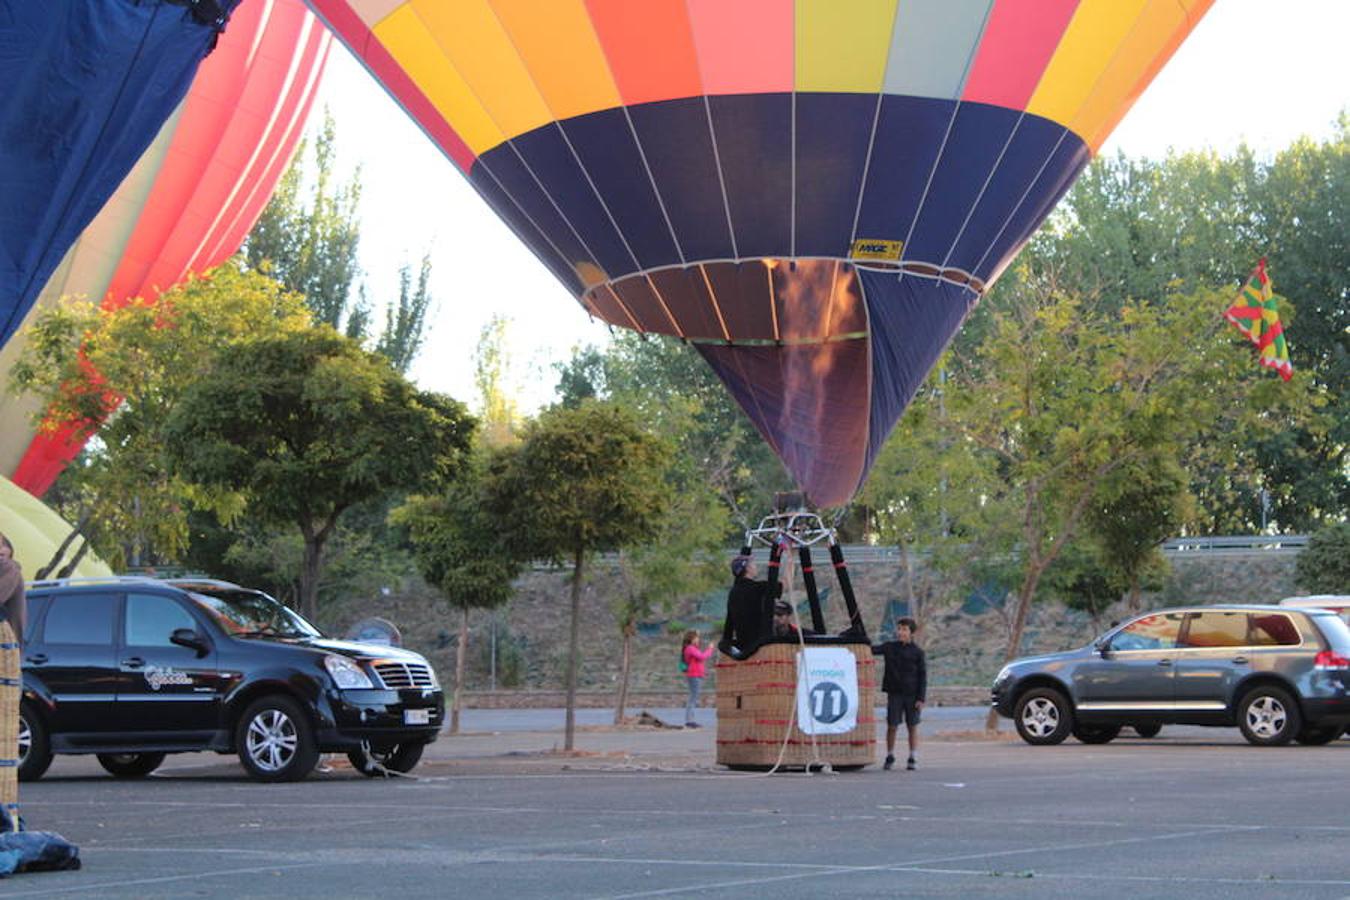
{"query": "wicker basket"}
[(10, 687), (756, 698)]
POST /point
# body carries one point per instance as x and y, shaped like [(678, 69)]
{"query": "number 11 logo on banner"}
[(827, 690)]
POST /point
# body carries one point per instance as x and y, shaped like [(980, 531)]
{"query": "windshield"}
[(254, 613)]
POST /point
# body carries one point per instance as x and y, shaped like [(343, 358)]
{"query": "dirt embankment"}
[(965, 638)]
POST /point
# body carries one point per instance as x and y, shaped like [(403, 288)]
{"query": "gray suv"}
[(1278, 673)]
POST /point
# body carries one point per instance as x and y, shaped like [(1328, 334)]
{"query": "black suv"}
[(134, 668)]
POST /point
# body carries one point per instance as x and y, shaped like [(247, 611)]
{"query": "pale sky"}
[(1259, 71)]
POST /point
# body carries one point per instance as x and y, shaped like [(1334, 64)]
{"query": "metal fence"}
[(1213, 545)]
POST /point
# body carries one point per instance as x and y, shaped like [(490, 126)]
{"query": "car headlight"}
[(346, 674), (1003, 675)]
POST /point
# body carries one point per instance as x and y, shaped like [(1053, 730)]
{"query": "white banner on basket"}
[(827, 690)]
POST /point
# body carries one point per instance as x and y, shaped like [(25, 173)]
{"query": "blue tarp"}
[(86, 86), (34, 851)]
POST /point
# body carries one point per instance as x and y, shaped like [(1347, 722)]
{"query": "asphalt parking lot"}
[(1194, 813)]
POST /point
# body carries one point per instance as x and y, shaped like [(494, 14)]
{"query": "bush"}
[(1324, 567)]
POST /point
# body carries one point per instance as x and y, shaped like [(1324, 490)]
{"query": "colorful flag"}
[(1256, 313)]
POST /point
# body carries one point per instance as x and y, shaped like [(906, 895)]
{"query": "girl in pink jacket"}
[(693, 658)]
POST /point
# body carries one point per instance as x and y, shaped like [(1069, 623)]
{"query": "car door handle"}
[(1164, 662), (37, 659), (134, 663), (1241, 660)]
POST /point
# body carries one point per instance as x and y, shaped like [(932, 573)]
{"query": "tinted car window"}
[(36, 605), (1216, 629), (80, 619), (1273, 630), (1155, 632), (151, 618)]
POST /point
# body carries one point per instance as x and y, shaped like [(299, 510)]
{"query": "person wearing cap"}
[(783, 628), (749, 609)]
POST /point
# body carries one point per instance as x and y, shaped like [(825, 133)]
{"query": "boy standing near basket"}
[(906, 685)]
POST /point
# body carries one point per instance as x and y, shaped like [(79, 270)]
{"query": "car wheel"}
[(275, 740), (130, 765), (1147, 731), (1096, 734), (35, 745), (1269, 717), (1316, 737), (1043, 716), (398, 758)]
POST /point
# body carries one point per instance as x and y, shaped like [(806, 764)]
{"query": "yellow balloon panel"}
[(36, 532)]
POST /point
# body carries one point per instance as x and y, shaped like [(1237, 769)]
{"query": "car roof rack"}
[(208, 582), (88, 580)]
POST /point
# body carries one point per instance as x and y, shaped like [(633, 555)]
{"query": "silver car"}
[(1277, 673)]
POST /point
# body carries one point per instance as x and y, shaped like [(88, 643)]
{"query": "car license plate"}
[(417, 717)]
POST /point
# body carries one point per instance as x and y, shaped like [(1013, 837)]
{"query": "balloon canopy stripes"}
[(87, 86), (699, 167), (186, 205)]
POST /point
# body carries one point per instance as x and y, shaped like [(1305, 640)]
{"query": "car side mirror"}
[(186, 637)]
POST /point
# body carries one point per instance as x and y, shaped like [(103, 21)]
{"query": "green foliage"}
[(1324, 565), (674, 391), (119, 375), (512, 656), (1138, 506), (491, 376), (310, 242), (456, 544), (307, 425), (309, 238), (582, 377), (1138, 229), (582, 481), (681, 557), (405, 320)]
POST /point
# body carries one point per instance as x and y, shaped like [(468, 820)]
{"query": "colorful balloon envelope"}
[(813, 193), (189, 201), (85, 86), (39, 534)]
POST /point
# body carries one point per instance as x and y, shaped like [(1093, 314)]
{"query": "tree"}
[(457, 547), (1324, 565), (582, 377), (1061, 397), (677, 394), (491, 376), (307, 425), (309, 237), (310, 244), (926, 489), (1082, 579), (1134, 229), (405, 321), (582, 481), (1139, 505), (681, 556), (118, 375)]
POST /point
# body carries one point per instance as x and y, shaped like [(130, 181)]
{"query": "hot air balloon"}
[(813, 194), (189, 201), (87, 86), (38, 533)]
